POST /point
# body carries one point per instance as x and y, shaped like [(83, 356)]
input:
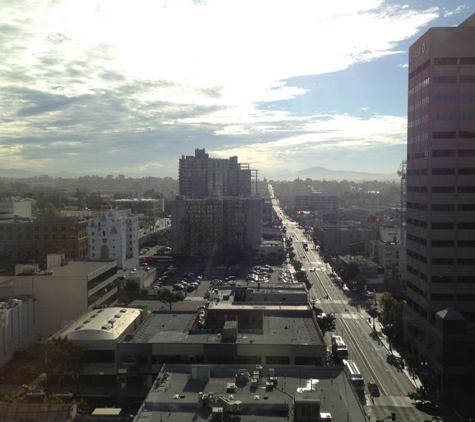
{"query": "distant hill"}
[(314, 173), (320, 173)]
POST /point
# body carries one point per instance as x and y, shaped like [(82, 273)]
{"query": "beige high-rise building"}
[(440, 293)]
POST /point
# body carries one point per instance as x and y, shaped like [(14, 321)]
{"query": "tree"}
[(13, 398), (52, 399), (131, 287), (373, 313), (82, 406), (168, 297), (392, 315), (326, 322), (63, 357), (359, 281)]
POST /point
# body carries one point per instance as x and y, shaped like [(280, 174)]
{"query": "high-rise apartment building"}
[(440, 292), (205, 227), (200, 176)]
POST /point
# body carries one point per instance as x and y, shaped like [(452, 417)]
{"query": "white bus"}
[(339, 348), (354, 374)]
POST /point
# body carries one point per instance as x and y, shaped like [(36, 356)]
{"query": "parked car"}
[(65, 395), (426, 406), (39, 392)]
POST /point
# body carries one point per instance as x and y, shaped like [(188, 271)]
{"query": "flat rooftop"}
[(281, 325), (72, 269), (175, 396)]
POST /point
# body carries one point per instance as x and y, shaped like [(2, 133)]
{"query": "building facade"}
[(440, 222), (12, 208), (19, 322), (203, 227), (317, 201), (146, 206), (115, 236), (35, 239), (200, 176), (63, 293)]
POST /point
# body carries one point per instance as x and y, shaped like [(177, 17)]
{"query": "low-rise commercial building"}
[(33, 240), (19, 322), (99, 331), (317, 201), (64, 292)]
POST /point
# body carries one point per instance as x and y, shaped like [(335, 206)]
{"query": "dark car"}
[(373, 388), (426, 406)]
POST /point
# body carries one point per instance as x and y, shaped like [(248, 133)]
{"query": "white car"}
[(65, 395), (36, 393)]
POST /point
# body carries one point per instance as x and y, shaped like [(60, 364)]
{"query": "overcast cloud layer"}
[(109, 87)]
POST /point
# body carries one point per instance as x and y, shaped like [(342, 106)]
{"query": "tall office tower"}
[(439, 318), (201, 176)]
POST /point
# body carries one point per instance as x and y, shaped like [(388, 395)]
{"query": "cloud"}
[(143, 85)]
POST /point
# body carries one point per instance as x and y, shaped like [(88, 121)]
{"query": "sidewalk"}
[(384, 341)]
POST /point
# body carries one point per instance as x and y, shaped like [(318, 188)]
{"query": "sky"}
[(118, 87)]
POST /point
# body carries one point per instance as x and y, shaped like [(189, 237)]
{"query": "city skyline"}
[(102, 88)]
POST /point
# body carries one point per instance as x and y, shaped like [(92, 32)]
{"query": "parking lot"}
[(196, 279)]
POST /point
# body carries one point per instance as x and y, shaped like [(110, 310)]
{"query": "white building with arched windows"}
[(115, 236)]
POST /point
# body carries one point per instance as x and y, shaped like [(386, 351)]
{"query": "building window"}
[(442, 261), (443, 153), (443, 207), (467, 79), (443, 135), (465, 171), (443, 171), (465, 134), (444, 116), (444, 61), (442, 243), (443, 226), (467, 60), (466, 207), (445, 79), (466, 189), (442, 279), (443, 189), (442, 297), (445, 98)]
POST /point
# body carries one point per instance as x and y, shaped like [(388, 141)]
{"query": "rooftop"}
[(173, 327), (76, 268), (101, 324), (175, 395)]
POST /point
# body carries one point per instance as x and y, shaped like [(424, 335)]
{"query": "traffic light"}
[(393, 416)]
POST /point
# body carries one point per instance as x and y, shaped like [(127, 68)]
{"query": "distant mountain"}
[(22, 174), (17, 174), (320, 173)]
